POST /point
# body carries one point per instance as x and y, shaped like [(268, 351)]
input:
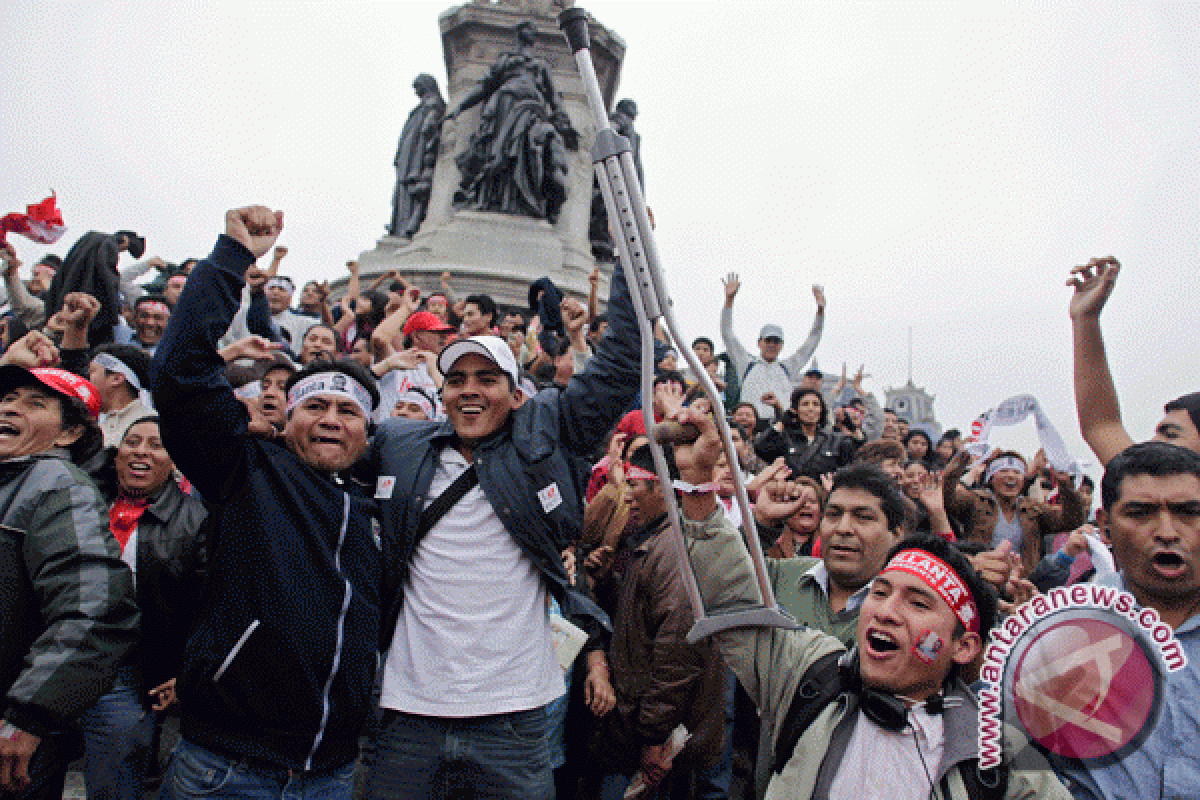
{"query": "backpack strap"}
[(433, 513), (819, 686)]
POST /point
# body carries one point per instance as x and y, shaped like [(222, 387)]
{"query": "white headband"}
[(338, 384), (248, 391), (111, 363), (420, 398), (1004, 462), (114, 364), (281, 282)]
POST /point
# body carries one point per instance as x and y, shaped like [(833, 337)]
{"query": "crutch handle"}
[(574, 25), (674, 433)]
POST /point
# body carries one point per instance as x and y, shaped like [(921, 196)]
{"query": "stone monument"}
[(514, 93)]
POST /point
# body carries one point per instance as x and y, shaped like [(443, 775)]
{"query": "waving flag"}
[(41, 222)]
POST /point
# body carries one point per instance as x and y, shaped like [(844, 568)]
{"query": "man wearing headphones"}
[(890, 717)]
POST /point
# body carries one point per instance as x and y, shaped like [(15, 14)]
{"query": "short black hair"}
[(73, 413), (1189, 403), (51, 260), (704, 340), (643, 457), (1148, 458), (1088, 482), (487, 306), (913, 432), (981, 592), (670, 376), (878, 451), (953, 433), (131, 356), (346, 366), (337, 340), (874, 481), (814, 371)]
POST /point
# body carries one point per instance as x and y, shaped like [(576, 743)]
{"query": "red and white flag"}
[(41, 222)]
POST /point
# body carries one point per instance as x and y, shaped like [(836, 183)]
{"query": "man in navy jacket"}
[(470, 668), (277, 674)]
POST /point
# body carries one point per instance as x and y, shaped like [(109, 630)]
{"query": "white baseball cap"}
[(493, 348)]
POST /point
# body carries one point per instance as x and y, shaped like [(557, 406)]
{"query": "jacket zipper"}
[(233, 652), (341, 624)]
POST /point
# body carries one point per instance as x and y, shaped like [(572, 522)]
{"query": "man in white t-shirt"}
[(470, 665)]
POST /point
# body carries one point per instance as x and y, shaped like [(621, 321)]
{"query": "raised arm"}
[(29, 309), (596, 398), (738, 357), (203, 424), (796, 361), (1095, 395)]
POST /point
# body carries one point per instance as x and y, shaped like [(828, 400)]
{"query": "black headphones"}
[(885, 709)]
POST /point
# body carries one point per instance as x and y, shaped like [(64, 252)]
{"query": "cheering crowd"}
[(412, 545)]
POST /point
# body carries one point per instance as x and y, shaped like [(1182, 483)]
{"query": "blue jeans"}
[(197, 773), (502, 756), (118, 734)]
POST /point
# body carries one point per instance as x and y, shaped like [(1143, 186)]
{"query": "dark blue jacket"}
[(550, 440), (279, 667)]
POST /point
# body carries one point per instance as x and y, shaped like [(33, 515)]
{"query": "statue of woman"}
[(416, 155), (515, 162)]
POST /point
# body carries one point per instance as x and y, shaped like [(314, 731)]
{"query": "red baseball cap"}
[(61, 381), (426, 321)]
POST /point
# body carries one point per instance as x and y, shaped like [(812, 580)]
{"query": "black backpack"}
[(821, 684)]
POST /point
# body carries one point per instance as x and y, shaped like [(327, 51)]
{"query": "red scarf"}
[(123, 518)]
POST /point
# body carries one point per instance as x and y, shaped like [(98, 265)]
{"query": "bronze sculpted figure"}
[(516, 160), (416, 155)]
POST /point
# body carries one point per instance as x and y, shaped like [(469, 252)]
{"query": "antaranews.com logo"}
[(1080, 670)]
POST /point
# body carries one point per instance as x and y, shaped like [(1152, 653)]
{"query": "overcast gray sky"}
[(939, 167)]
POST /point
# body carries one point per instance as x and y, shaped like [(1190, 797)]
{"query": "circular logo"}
[(1085, 686)]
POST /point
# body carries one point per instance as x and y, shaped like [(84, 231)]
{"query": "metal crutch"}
[(612, 158)]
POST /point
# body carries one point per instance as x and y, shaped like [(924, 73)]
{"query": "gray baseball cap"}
[(771, 332)]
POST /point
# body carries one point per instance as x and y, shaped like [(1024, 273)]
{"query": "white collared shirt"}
[(821, 575)]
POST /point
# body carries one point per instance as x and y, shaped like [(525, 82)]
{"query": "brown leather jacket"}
[(978, 511), (660, 679)]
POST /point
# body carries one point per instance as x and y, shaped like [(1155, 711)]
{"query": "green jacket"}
[(770, 663), (67, 612)]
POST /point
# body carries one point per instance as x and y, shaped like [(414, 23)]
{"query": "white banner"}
[(1013, 411)]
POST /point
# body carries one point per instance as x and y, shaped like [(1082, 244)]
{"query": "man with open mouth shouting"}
[(1151, 497), (277, 673), (888, 718)]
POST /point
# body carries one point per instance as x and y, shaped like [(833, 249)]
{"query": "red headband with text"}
[(940, 577)]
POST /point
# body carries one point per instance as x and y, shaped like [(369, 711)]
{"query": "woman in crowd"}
[(798, 532), (158, 528), (801, 437), (919, 447), (1001, 511), (924, 489)]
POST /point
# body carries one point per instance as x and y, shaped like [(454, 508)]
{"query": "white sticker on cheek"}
[(928, 646)]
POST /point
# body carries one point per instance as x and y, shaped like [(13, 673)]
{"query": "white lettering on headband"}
[(338, 384), (1004, 462)]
